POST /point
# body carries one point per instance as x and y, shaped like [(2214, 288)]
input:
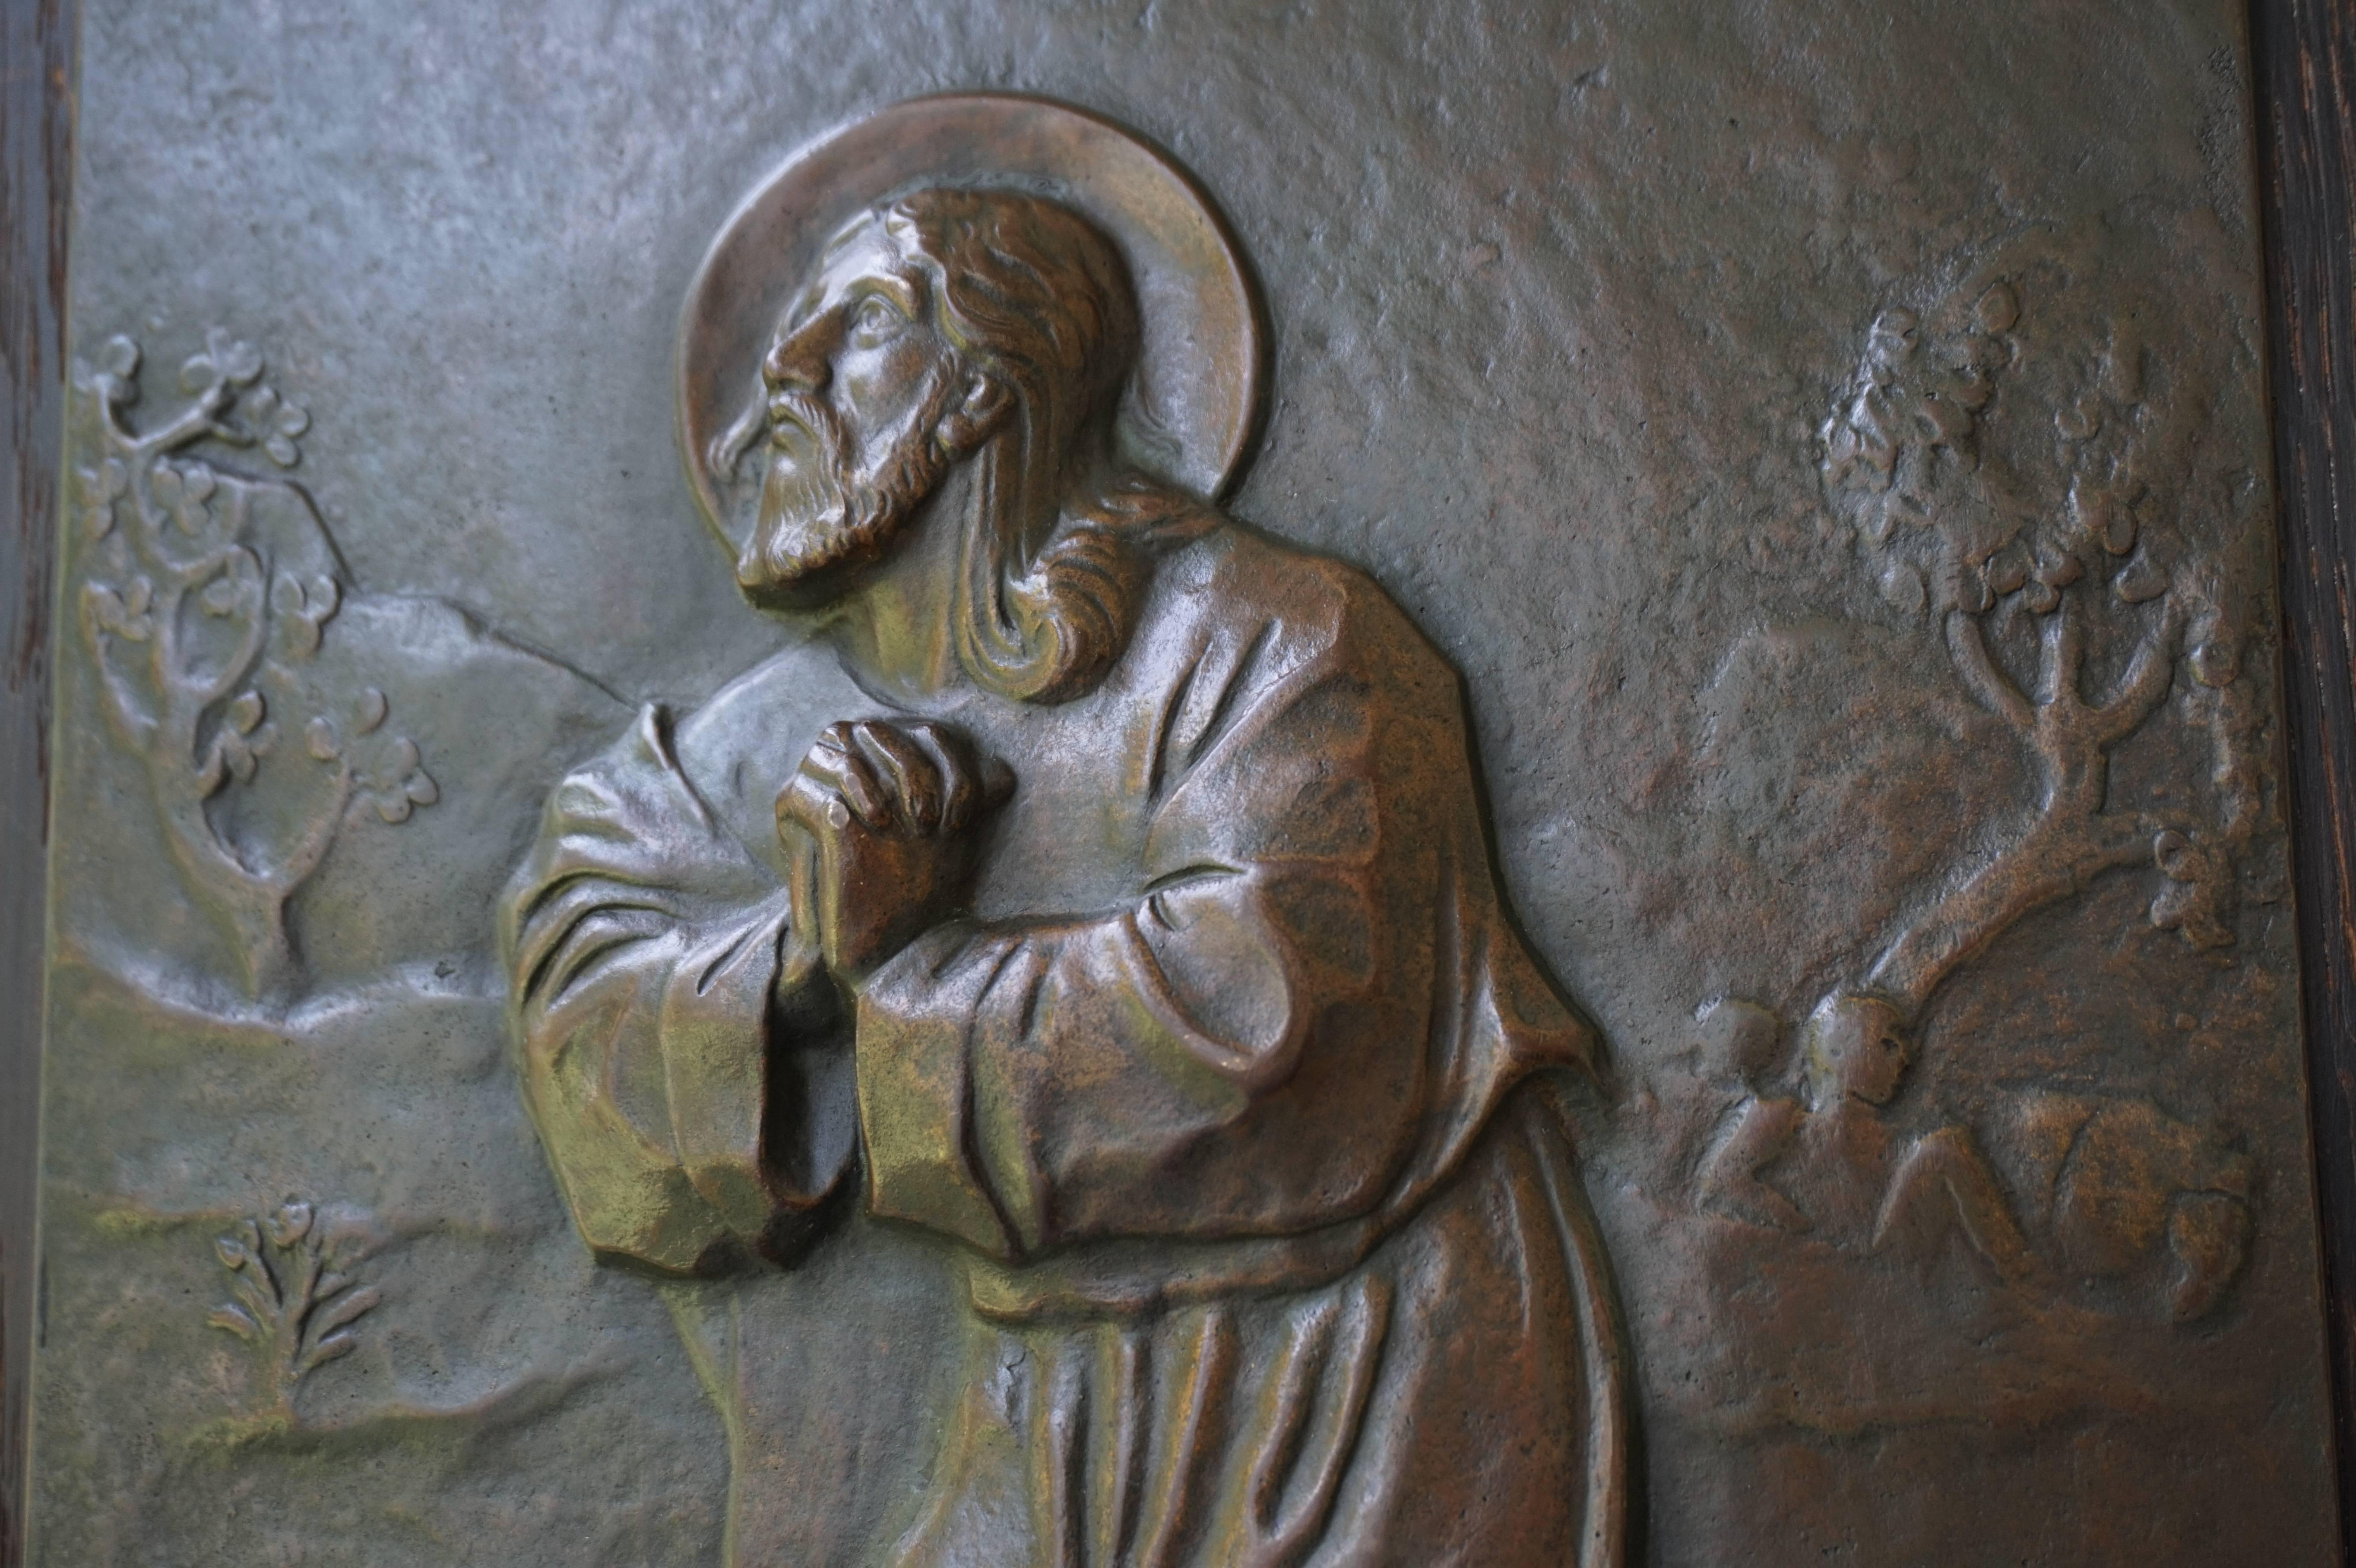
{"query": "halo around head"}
[(1191, 412)]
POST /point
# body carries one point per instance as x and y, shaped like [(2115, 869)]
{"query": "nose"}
[(798, 361)]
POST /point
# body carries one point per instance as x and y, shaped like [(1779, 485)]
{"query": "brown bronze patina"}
[(1027, 1030), (1140, 940)]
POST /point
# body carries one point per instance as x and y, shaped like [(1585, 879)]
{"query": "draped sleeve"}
[(674, 1060), (1306, 1005)]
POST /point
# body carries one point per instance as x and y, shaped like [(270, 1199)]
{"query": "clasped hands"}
[(880, 821)]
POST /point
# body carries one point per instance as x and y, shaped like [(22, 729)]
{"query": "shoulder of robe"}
[(1273, 605), (745, 742)]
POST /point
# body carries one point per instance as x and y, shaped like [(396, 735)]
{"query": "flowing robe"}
[(1234, 1095)]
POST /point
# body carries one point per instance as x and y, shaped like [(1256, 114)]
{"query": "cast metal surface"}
[(1130, 927), (1053, 1047)]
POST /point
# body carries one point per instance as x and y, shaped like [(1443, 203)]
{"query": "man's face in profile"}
[(855, 382)]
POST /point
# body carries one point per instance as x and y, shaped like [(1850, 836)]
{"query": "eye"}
[(874, 319)]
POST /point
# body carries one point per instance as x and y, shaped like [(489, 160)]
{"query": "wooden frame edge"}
[(36, 163), (2303, 65)]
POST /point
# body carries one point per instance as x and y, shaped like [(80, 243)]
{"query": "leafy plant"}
[(206, 611), (295, 1301), (2068, 547)]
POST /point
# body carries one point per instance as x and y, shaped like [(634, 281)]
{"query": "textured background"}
[(1558, 304)]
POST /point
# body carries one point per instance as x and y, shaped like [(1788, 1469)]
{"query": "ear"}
[(979, 410)]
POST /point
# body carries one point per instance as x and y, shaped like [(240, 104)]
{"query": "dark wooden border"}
[(2304, 64), (35, 161)]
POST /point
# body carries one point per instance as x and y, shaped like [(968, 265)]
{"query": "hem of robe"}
[(1128, 1277), (1596, 1498)]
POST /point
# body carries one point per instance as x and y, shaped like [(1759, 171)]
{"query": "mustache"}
[(790, 409), (775, 416)]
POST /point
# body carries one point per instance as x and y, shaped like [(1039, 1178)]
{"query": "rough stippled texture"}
[(1831, 448)]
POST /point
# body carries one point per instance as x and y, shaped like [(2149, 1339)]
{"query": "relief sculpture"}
[(1138, 938), (2052, 536), (1554, 838), (297, 1302), (206, 609), (2014, 483)]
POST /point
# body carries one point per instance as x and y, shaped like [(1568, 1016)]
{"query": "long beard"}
[(820, 511)]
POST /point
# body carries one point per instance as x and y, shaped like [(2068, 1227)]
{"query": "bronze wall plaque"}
[(1172, 785)]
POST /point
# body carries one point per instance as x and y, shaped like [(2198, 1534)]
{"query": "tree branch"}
[(2149, 675), (305, 856), (1967, 647), (2064, 657)]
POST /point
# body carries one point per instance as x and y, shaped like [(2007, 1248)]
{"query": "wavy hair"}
[(1057, 551)]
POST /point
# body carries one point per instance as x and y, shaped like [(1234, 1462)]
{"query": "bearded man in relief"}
[(1139, 943)]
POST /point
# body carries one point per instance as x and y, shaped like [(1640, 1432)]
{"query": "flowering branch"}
[(293, 1299), (197, 633)]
